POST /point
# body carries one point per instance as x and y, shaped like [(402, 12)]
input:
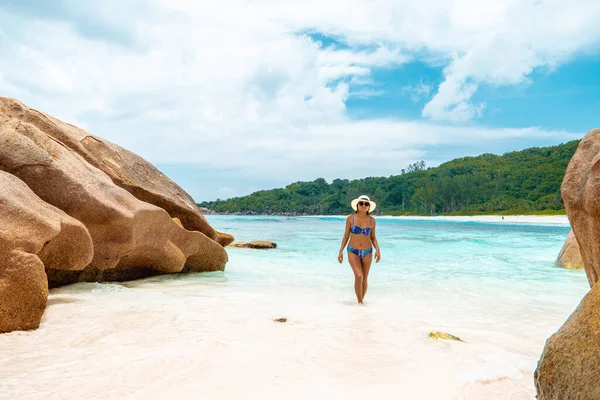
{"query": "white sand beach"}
[(561, 220), (214, 335)]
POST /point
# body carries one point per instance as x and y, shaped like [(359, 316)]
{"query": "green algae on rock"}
[(444, 336)]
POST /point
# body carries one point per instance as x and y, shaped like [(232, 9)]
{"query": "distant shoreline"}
[(556, 220), (561, 220)]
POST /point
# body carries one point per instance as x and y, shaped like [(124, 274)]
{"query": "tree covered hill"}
[(516, 182)]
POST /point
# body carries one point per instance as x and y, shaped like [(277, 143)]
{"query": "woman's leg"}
[(358, 275), (366, 267)]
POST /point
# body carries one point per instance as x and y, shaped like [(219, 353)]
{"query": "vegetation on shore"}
[(518, 182)]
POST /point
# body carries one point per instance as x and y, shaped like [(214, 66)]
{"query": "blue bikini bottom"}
[(359, 252)]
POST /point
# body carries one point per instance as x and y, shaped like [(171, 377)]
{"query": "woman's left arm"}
[(374, 241)]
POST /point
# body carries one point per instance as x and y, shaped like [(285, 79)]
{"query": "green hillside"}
[(526, 181)]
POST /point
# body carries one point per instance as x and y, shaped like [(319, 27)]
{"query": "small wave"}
[(110, 288), (330, 218), (497, 368), (86, 287), (58, 300), (177, 280)]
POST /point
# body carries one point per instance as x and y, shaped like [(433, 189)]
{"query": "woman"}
[(360, 228)]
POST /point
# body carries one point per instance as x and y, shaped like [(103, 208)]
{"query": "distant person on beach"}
[(360, 229)]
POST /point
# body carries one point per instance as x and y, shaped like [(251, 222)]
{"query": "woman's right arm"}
[(344, 240)]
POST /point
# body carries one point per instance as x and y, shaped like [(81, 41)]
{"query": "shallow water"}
[(213, 335)]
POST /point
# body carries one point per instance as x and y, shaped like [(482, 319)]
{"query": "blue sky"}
[(231, 98), (566, 98)]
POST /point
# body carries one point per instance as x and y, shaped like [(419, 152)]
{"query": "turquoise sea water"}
[(181, 336), (474, 256)]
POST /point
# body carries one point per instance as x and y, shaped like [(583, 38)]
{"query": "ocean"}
[(213, 335)]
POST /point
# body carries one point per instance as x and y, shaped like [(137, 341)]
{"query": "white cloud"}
[(499, 42), (418, 92), (239, 84), (331, 73), (452, 102), (246, 52), (380, 57), (365, 93)]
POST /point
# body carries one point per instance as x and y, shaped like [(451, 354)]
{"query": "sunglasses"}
[(361, 203)]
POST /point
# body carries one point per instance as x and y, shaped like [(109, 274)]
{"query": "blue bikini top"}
[(357, 230)]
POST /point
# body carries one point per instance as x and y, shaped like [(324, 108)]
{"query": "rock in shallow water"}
[(580, 191), (570, 256), (569, 365), (109, 196), (256, 244)]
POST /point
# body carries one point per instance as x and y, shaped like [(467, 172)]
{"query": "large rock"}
[(129, 238), (580, 191), (569, 365), (126, 169), (33, 234), (570, 256)]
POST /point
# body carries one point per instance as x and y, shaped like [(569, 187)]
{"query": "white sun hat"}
[(364, 198)]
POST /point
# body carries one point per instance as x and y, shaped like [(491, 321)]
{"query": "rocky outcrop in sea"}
[(75, 207), (570, 256), (255, 244), (569, 365)]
